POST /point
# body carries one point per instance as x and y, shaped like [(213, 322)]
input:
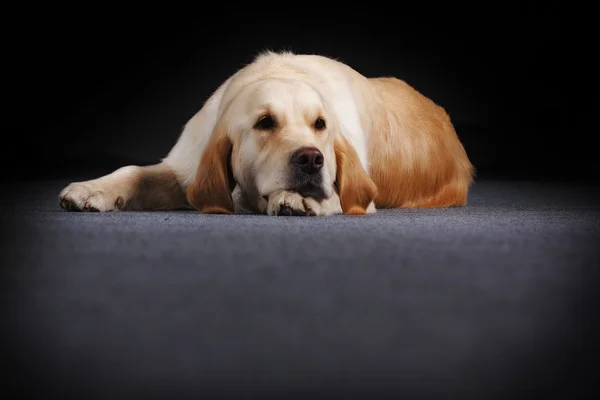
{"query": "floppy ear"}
[(355, 187), (211, 191)]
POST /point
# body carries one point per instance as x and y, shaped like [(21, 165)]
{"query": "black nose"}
[(308, 159)]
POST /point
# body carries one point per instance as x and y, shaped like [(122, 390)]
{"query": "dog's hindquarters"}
[(416, 157)]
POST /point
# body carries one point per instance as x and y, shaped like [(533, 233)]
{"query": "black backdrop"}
[(107, 87), (102, 88)]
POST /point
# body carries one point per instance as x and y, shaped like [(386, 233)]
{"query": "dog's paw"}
[(90, 196), (287, 203), (293, 204)]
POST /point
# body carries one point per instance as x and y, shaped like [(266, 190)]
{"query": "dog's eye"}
[(319, 124), (265, 123)]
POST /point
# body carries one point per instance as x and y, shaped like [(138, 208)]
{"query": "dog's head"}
[(278, 134)]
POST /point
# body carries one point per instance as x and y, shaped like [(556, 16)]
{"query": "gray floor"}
[(494, 297)]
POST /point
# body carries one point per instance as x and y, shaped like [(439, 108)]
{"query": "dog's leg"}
[(283, 202), (156, 187), (130, 188)]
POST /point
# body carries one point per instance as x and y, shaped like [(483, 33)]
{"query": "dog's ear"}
[(211, 190), (355, 187)]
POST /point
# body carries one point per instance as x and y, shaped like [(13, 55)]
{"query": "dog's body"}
[(298, 135)]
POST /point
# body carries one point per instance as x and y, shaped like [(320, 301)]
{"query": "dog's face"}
[(282, 139), (277, 134)]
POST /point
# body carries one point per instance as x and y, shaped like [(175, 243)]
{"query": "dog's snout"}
[(308, 159)]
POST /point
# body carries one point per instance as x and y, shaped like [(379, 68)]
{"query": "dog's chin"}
[(306, 186), (316, 192)]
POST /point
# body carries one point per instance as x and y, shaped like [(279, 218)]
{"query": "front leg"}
[(131, 188), (288, 203)]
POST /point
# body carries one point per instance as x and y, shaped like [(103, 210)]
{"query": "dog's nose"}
[(308, 159)]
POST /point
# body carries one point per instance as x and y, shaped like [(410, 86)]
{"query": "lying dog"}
[(296, 134)]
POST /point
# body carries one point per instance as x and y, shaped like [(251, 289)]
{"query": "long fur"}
[(386, 146)]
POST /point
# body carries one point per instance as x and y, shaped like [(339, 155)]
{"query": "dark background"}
[(105, 88), (95, 90)]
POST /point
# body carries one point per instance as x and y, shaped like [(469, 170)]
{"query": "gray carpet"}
[(493, 298)]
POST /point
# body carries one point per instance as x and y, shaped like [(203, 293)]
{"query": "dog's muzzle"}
[(306, 177)]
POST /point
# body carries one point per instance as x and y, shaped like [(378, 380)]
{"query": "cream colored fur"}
[(385, 145)]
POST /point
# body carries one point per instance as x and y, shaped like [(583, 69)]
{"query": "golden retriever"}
[(297, 134)]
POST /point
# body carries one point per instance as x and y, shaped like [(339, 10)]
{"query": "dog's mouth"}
[(315, 192), (311, 190), (307, 185)]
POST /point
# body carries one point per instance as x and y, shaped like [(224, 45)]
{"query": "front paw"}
[(89, 196), (286, 203)]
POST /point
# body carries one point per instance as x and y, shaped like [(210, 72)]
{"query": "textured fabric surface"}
[(495, 297)]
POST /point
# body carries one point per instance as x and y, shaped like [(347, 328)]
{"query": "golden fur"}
[(384, 145), (426, 165)]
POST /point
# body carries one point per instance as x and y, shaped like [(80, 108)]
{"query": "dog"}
[(302, 135)]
